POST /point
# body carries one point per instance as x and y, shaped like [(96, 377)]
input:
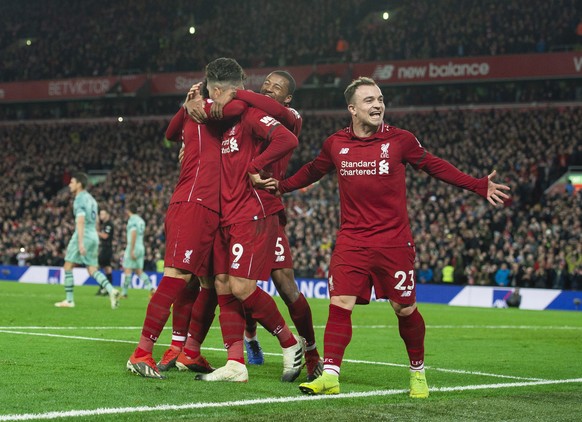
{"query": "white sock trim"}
[(331, 369)]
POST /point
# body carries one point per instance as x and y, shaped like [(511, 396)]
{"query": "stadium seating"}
[(48, 40), (534, 233)]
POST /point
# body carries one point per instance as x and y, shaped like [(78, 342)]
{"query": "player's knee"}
[(177, 273), (403, 310), (242, 288)]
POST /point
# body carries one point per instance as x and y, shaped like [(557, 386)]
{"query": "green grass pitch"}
[(482, 365)]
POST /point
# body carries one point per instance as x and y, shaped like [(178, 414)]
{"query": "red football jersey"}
[(371, 177), (200, 168), (288, 117), (243, 152)]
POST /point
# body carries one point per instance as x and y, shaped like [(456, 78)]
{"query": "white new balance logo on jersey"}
[(344, 150), (269, 121), (187, 255)]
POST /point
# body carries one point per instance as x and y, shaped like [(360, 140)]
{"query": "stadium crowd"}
[(48, 40), (533, 242)]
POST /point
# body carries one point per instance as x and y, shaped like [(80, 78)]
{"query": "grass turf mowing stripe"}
[(365, 362)]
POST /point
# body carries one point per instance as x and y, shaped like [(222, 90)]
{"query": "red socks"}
[(181, 312), (232, 325), (301, 316), (263, 308), (201, 320), (158, 310), (412, 330), (338, 334)]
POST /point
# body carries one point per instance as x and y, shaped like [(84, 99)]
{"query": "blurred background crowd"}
[(69, 38), (534, 241), (536, 236)]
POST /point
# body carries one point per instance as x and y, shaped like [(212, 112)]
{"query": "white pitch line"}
[(453, 371), (365, 362), (471, 327), (207, 405)]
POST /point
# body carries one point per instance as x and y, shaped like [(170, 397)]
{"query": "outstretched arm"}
[(310, 172), (445, 171)]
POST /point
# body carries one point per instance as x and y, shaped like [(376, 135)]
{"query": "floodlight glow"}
[(192, 30), (385, 16)]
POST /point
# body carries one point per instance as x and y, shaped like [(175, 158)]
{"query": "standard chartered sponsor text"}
[(358, 168)]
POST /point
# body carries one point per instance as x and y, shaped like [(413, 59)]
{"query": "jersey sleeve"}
[(231, 110), (312, 171), (174, 130), (280, 141), (80, 208), (419, 158), (287, 116)]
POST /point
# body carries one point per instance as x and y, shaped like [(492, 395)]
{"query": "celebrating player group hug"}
[(225, 229)]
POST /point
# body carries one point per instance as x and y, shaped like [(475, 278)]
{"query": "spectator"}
[(502, 275)]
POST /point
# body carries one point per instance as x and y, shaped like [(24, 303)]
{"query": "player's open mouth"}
[(375, 114)]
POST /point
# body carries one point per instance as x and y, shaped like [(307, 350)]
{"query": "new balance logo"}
[(187, 256), (280, 258), (269, 121), (383, 72), (344, 150), (406, 293), (235, 265)]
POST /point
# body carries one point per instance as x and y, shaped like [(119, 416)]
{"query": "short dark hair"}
[(133, 207), (204, 89), (351, 89), (225, 70), (290, 79), (81, 177)]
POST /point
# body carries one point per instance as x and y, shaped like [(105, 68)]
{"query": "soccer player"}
[(84, 244), (193, 310), (279, 86), (248, 231), (191, 224), (106, 232), (133, 259), (370, 159)]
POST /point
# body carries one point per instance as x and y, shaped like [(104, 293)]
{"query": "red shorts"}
[(353, 271), (190, 232), (246, 249), (283, 258)]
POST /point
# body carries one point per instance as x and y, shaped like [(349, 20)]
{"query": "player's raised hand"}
[(195, 109), (194, 90), (495, 194), (223, 99)]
